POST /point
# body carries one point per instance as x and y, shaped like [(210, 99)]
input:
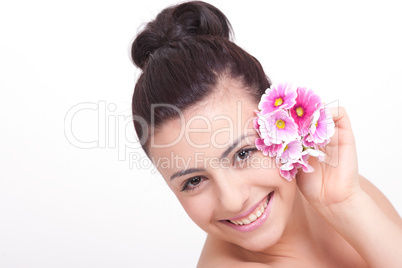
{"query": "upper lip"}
[(247, 212)]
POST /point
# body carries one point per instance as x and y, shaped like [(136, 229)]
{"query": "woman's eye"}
[(192, 183), (243, 155)]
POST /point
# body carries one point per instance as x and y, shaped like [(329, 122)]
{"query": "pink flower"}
[(307, 143), (256, 125), (322, 127), (288, 171), (303, 163), (292, 151), (260, 145), (270, 150), (279, 96), (264, 144), (280, 126), (292, 126), (274, 149), (313, 145), (307, 102), (263, 128)]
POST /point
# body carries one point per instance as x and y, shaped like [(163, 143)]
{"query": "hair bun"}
[(177, 22)]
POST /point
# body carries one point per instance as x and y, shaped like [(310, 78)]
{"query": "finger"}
[(339, 115)]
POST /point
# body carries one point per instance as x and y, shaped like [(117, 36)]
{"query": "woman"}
[(193, 109)]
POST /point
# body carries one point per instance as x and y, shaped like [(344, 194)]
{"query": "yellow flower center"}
[(280, 123), (286, 147), (299, 111), (316, 124), (278, 102)]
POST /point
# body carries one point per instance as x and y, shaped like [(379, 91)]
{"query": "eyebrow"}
[(234, 145), (185, 172), (224, 154)]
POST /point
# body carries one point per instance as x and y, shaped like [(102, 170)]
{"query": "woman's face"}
[(209, 160)]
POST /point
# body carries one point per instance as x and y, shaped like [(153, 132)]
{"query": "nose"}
[(233, 192)]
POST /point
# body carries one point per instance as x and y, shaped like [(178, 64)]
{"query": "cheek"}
[(199, 208), (285, 191), (264, 171)]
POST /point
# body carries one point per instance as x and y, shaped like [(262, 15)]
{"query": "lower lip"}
[(255, 224)]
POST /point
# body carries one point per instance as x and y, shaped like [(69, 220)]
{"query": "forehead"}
[(208, 127)]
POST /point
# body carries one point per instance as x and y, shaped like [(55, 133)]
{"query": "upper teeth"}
[(253, 216)]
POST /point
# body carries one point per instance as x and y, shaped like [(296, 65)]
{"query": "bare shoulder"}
[(221, 254), (381, 200), (234, 264)]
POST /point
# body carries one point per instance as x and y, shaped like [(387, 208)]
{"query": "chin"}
[(260, 243)]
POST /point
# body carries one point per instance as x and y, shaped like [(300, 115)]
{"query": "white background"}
[(65, 206)]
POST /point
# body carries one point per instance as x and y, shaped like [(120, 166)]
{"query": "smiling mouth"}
[(253, 216)]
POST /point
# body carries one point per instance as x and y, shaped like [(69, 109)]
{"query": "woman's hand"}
[(334, 190), (336, 179)]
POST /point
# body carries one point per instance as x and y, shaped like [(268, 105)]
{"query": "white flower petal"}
[(312, 152)]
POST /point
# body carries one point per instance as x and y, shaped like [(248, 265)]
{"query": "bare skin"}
[(328, 218), (330, 249)]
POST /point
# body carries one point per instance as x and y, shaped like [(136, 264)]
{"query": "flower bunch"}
[(293, 125)]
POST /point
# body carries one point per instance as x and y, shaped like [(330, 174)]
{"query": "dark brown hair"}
[(183, 53)]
